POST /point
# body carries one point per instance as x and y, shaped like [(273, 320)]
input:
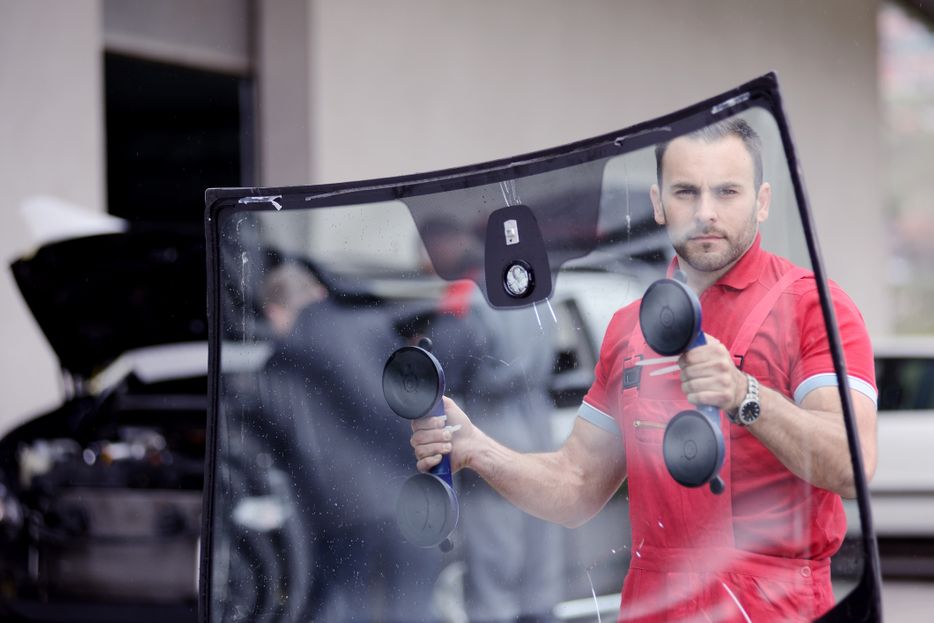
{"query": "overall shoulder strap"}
[(761, 311)]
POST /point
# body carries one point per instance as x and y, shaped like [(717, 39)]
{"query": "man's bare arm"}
[(567, 486), (810, 439)]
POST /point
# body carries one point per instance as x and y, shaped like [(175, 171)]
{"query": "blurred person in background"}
[(344, 448), (498, 363)]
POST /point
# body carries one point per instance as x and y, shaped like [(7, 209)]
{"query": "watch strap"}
[(751, 398)]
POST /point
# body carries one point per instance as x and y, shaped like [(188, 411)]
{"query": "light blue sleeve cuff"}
[(598, 418), (830, 380)]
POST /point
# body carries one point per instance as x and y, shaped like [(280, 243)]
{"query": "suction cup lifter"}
[(693, 446), (427, 509)]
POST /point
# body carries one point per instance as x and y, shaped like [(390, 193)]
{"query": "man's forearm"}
[(568, 486), (810, 440)]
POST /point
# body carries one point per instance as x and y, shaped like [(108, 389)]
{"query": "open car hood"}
[(513, 269), (98, 296)]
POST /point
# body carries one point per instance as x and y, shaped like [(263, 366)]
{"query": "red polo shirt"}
[(774, 511)]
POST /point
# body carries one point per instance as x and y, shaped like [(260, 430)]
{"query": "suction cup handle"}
[(713, 413), (443, 469)]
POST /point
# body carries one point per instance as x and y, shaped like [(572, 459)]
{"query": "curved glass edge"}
[(864, 603)]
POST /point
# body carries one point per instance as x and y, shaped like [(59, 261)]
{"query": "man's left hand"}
[(709, 376)]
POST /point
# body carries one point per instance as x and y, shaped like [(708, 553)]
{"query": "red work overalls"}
[(684, 564)]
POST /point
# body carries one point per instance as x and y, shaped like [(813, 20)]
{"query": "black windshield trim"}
[(865, 602), (760, 92)]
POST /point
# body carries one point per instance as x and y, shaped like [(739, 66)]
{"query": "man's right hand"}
[(567, 486), (433, 437)]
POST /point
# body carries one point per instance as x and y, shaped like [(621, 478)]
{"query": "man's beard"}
[(699, 255)]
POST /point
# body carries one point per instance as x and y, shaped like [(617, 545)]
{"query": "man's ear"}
[(655, 196), (763, 202)]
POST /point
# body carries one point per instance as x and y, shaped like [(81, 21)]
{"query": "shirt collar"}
[(744, 272)]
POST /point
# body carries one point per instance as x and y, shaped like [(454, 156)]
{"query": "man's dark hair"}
[(715, 132)]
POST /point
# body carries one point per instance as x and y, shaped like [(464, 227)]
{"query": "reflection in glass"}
[(309, 458)]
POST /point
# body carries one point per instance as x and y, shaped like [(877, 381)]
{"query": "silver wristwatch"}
[(749, 409)]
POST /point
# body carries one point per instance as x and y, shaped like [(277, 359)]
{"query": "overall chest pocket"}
[(652, 405)]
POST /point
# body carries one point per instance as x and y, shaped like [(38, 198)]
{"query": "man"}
[(759, 551)]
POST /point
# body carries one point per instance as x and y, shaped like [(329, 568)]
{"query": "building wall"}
[(353, 89), (423, 85), (205, 34), (51, 143)]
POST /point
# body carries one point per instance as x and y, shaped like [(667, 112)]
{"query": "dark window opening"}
[(173, 131), (905, 383)]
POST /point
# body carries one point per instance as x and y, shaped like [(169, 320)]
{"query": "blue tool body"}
[(693, 445), (427, 510)]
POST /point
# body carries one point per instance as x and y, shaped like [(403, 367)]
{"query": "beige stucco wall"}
[(206, 34), (51, 143)]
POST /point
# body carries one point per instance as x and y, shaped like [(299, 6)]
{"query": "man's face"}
[(708, 201)]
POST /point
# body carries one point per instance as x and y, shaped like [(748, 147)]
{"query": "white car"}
[(902, 489)]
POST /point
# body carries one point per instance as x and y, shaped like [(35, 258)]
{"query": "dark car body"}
[(101, 497)]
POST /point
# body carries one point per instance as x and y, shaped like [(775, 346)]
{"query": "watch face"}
[(518, 280), (749, 412)]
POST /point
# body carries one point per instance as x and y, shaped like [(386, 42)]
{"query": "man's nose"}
[(704, 211)]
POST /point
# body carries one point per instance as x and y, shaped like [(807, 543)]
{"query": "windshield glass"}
[(645, 420)]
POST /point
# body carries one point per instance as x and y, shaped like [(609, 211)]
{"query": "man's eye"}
[(685, 192), (727, 192)]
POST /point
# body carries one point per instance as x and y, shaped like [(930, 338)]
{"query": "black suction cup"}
[(693, 449), (426, 511), (412, 382), (670, 317)]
